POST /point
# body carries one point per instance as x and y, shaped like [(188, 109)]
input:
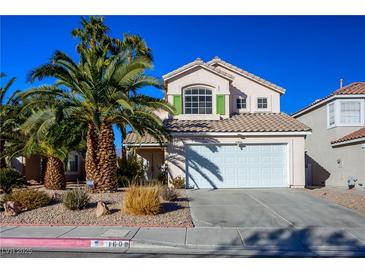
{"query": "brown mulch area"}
[(172, 214), (350, 198)]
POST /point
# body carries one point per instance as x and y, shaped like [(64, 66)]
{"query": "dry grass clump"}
[(28, 198), (142, 200)]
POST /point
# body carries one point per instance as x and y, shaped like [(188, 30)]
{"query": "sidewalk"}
[(248, 242)]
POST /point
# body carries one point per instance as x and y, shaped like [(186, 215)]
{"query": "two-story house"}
[(335, 151), (228, 131)]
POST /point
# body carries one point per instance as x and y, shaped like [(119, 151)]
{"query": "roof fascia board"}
[(240, 134), (349, 142)]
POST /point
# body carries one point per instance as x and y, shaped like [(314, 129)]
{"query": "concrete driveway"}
[(268, 208)]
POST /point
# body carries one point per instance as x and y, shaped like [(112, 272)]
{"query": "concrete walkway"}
[(285, 242)]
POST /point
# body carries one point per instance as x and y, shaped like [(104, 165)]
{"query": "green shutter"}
[(177, 104), (220, 104)]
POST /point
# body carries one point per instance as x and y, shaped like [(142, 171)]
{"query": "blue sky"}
[(307, 55)]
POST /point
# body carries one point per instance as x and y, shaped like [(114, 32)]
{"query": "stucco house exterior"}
[(228, 131), (32, 167), (335, 151)]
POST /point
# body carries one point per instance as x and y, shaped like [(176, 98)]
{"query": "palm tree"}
[(8, 116), (97, 91)]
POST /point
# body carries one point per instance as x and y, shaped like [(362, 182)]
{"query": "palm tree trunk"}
[(101, 158), (55, 174), (91, 152), (2, 159), (106, 177)]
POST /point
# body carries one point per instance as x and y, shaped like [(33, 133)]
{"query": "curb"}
[(71, 243)]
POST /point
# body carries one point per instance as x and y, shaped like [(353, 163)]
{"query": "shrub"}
[(178, 182), (28, 198), (163, 175), (168, 193), (142, 200), (11, 178), (131, 168), (76, 199), (123, 181)]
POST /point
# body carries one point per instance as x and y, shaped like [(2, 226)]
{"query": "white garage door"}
[(233, 166)]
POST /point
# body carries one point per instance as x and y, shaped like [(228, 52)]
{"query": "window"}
[(331, 114), (241, 103), (73, 163), (345, 112), (262, 103), (350, 112), (198, 101)]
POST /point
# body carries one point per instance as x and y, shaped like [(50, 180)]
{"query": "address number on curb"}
[(109, 244)]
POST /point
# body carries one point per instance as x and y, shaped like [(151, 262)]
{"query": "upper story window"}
[(261, 103), (345, 112), (331, 114), (197, 101), (241, 103), (350, 112)]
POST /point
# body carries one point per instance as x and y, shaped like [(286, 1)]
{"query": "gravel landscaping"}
[(175, 213), (350, 198)]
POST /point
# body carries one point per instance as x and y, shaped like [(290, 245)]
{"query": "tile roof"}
[(197, 62), (133, 138), (217, 60), (355, 88), (351, 137), (248, 122)]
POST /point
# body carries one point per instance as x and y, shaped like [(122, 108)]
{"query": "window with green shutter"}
[(221, 104), (177, 104)]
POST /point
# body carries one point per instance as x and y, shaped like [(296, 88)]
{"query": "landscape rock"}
[(57, 197), (11, 208), (102, 209)]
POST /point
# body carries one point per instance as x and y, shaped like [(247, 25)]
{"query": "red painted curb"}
[(57, 242), (95, 225)]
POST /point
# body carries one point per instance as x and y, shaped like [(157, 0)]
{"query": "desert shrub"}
[(142, 200), (163, 175), (178, 182), (11, 178), (76, 199), (28, 198), (168, 193), (123, 181), (131, 169)]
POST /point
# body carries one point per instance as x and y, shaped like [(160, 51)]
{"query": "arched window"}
[(197, 101)]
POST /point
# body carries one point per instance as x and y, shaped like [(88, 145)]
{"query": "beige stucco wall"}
[(242, 86), (175, 158), (323, 157)]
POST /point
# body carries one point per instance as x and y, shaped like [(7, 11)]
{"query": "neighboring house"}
[(32, 167), (228, 131), (335, 151)]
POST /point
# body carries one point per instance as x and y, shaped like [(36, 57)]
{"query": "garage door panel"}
[(232, 166)]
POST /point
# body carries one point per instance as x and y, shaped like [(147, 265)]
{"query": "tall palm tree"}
[(100, 90)]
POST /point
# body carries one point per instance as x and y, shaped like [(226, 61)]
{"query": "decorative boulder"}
[(102, 209), (11, 208)]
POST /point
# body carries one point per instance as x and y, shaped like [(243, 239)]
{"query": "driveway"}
[(268, 208), (278, 219)]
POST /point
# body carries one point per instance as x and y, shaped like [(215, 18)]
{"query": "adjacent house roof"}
[(355, 136), (197, 63), (248, 122), (133, 139), (356, 88), (217, 60)]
